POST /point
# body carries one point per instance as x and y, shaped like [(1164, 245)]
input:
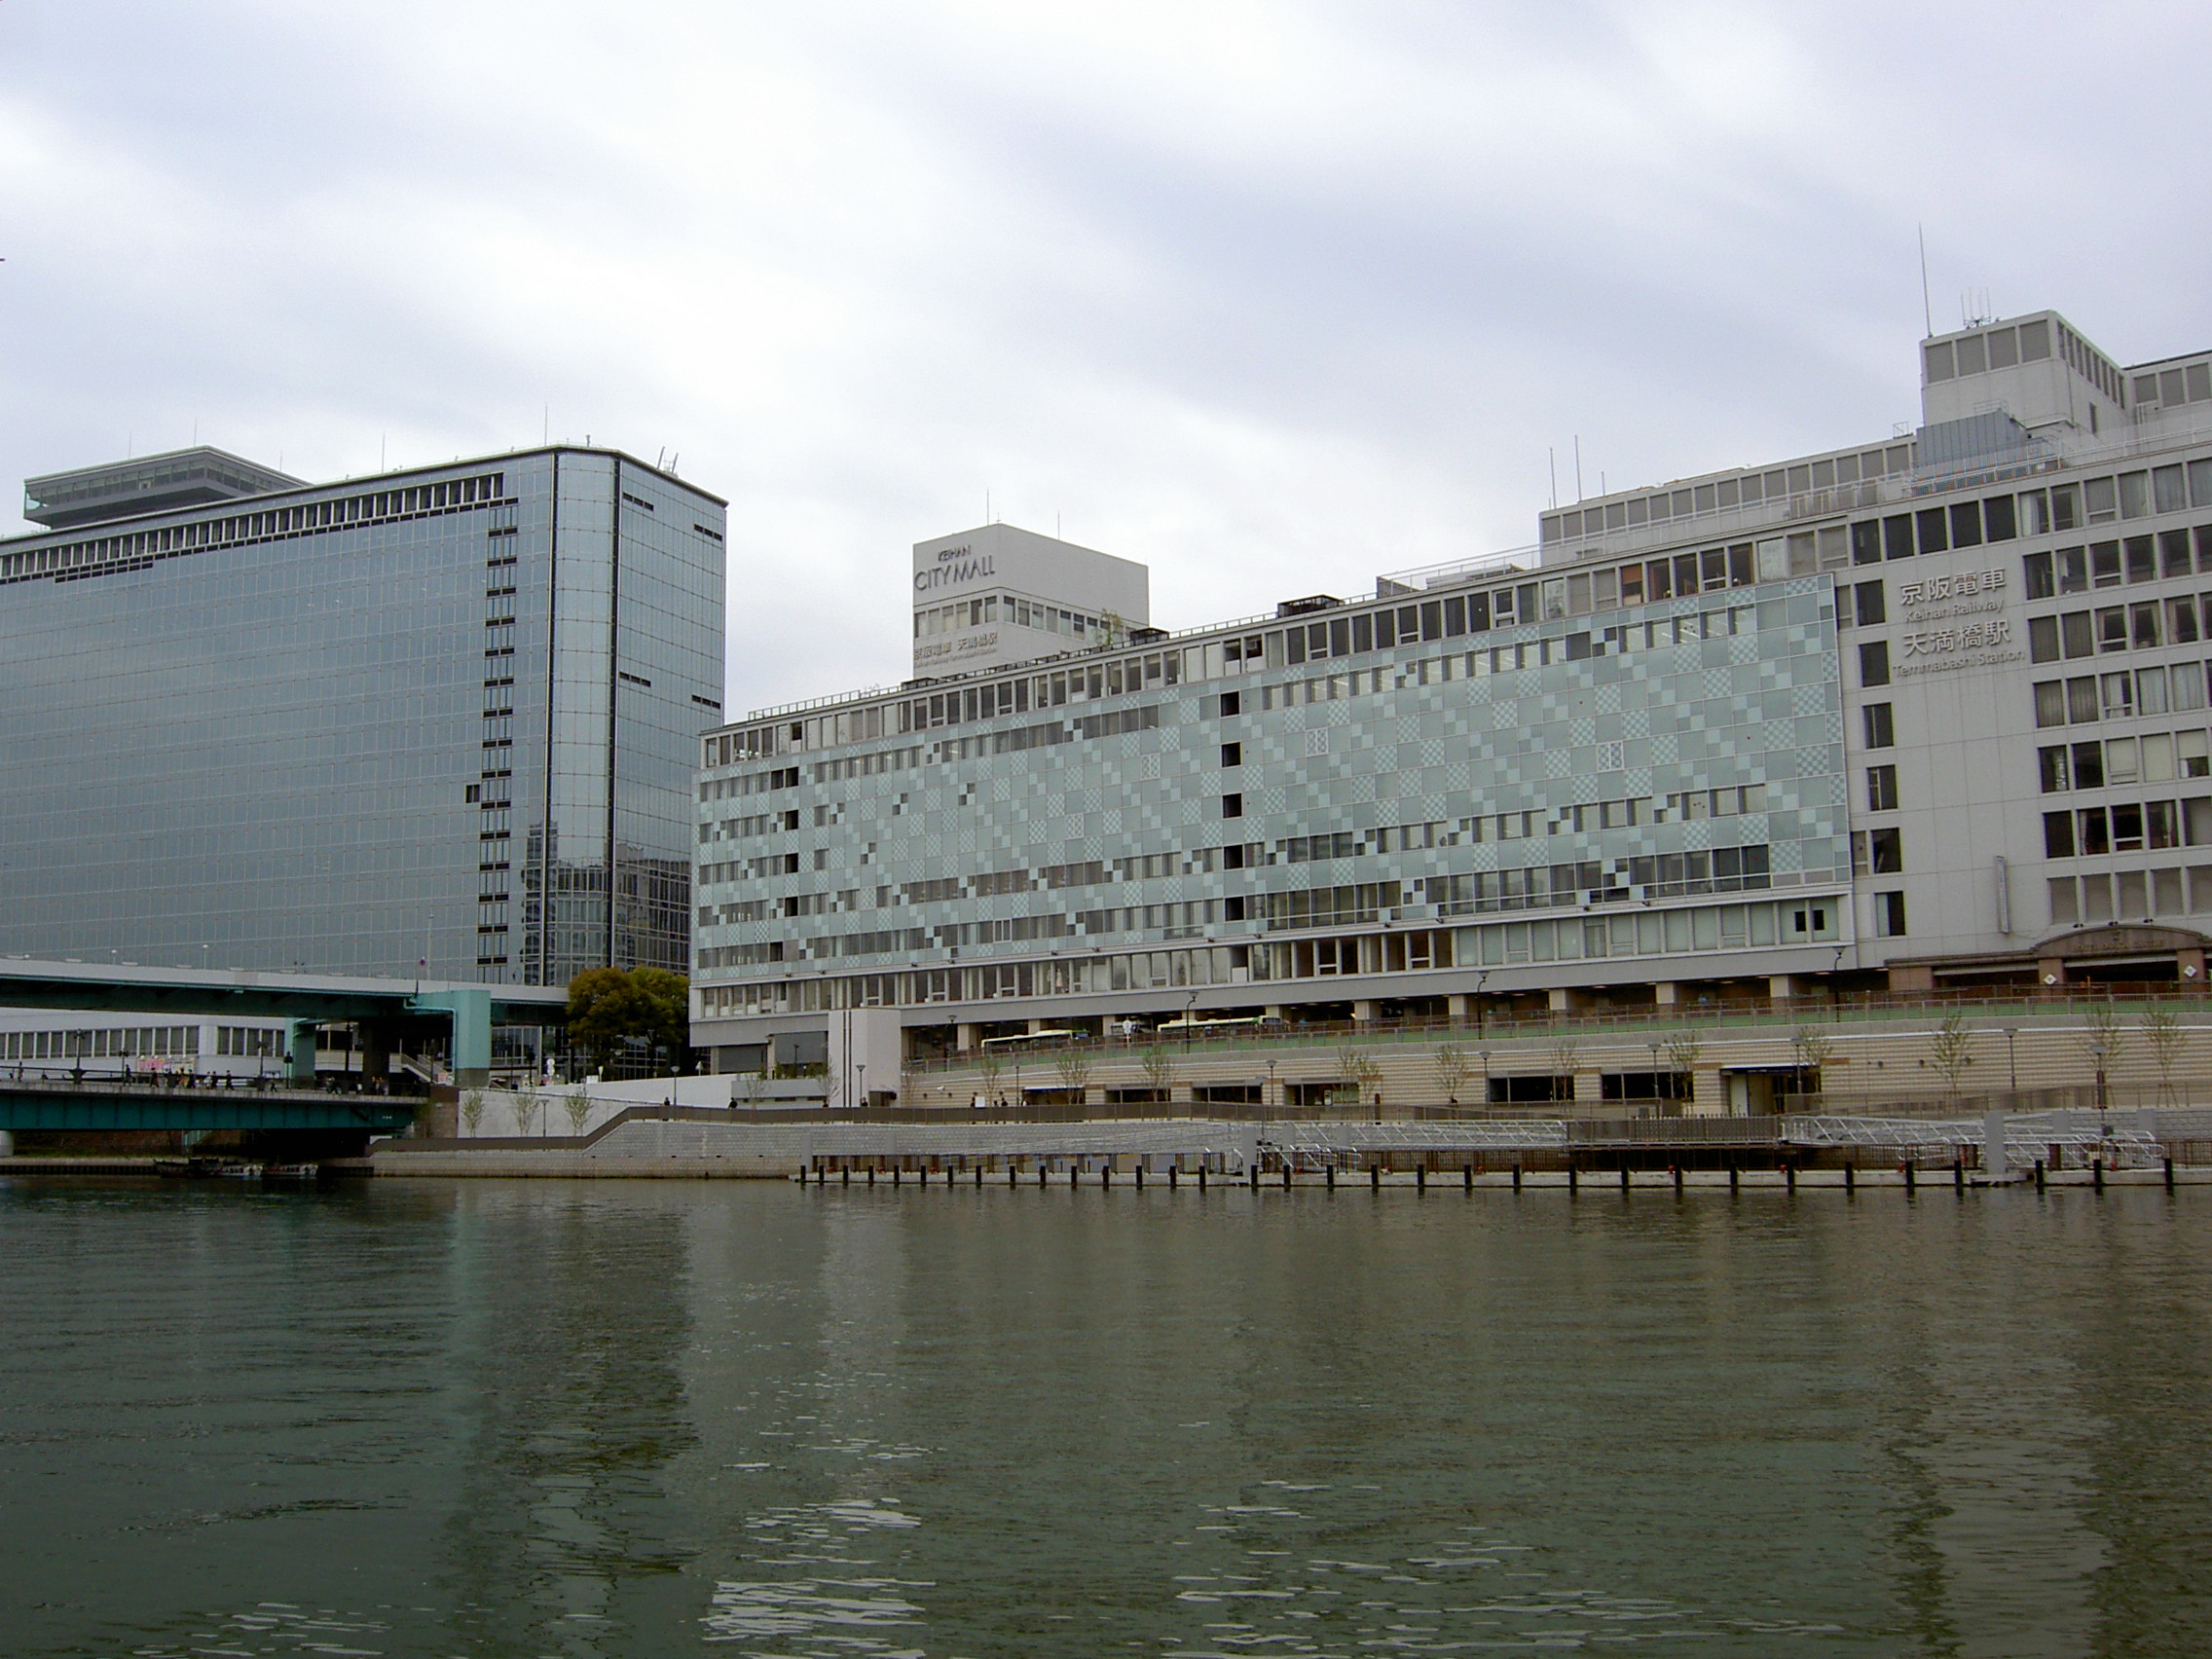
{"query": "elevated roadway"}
[(383, 1008)]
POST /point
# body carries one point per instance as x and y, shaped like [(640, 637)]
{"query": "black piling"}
[(872, 1174), (1329, 1176), (2040, 1177), (1573, 1177), (895, 1173), (2169, 1174), (2097, 1173), (1374, 1176), (1106, 1175), (1420, 1176), (1735, 1177), (1466, 1177), (1958, 1174), (1790, 1173), (1911, 1176), (1075, 1175), (1623, 1174), (1140, 1172), (1201, 1177), (1040, 1172), (1851, 1176), (1172, 1182), (1676, 1170), (1287, 1175), (845, 1176), (1515, 1177)]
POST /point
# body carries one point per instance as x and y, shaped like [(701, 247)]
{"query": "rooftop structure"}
[(150, 483)]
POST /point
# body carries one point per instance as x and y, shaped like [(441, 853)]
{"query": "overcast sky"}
[(1270, 296)]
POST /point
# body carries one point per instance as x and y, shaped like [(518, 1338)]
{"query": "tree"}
[(989, 1068), (530, 1107), (1359, 1068), (1564, 1052), (2162, 1031), (1073, 1063), (1683, 1050), (1160, 1069), (1814, 1050), (1451, 1064), (577, 1104), (610, 1008), (1952, 1047), (471, 1111)]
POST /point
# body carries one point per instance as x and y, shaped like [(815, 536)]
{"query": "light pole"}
[(1483, 1055), (1270, 1089), (861, 1066), (1653, 1046), (1189, 1018), (2013, 1060), (2097, 1051)]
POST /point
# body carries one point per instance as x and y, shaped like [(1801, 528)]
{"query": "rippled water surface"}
[(635, 1418)]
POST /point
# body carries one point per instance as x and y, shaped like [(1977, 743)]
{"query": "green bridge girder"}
[(89, 1106)]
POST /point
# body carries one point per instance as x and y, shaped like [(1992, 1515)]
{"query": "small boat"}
[(291, 1171)]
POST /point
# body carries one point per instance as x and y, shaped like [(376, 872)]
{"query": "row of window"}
[(124, 1043), (134, 549), (1753, 925), (1016, 612), (2155, 826), (2129, 895), (2177, 688), (2179, 552), (2157, 757), (2145, 625)]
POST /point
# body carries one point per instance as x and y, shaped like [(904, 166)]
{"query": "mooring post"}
[(1140, 1171), (1676, 1170), (1623, 1174), (894, 1173), (1420, 1176), (1517, 1175), (1201, 1175), (1173, 1170), (1573, 1177), (1374, 1176), (1790, 1173), (1286, 1175), (979, 1174), (1851, 1176), (1329, 1176), (1735, 1177), (2039, 1175), (1253, 1173), (2169, 1174), (2097, 1173), (1911, 1176), (1074, 1171), (1958, 1174)]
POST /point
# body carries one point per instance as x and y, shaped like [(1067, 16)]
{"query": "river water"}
[(636, 1418)]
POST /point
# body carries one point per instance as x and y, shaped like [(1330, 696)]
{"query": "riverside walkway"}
[(705, 1142)]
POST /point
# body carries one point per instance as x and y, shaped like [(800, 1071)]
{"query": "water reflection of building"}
[(259, 723)]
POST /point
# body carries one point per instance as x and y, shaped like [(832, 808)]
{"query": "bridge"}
[(384, 1010), (120, 1103)]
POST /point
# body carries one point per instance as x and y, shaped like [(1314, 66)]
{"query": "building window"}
[(1233, 806), (1888, 915), (1874, 663), (1232, 755), (1881, 726), (1881, 789), (1871, 609), (2058, 835)]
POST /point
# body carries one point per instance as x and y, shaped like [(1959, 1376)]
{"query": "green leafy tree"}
[(471, 1111), (611, 1007), (1953, 1049), (577, 1104)]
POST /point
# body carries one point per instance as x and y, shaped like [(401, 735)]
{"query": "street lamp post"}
[(1483, 1055), (2013, 1060)]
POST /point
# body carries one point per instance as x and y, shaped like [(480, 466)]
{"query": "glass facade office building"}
[(1923, 712), (448, 714)]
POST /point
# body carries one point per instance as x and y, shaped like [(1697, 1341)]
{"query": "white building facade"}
[(1913, 713)]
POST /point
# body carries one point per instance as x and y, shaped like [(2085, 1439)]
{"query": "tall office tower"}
[(445, 716), (1917, 713)]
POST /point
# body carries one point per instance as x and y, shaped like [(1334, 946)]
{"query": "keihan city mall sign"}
[(955, 566)]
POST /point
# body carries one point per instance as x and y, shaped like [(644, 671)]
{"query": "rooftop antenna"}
[(1927, 313), (1551, 459)]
